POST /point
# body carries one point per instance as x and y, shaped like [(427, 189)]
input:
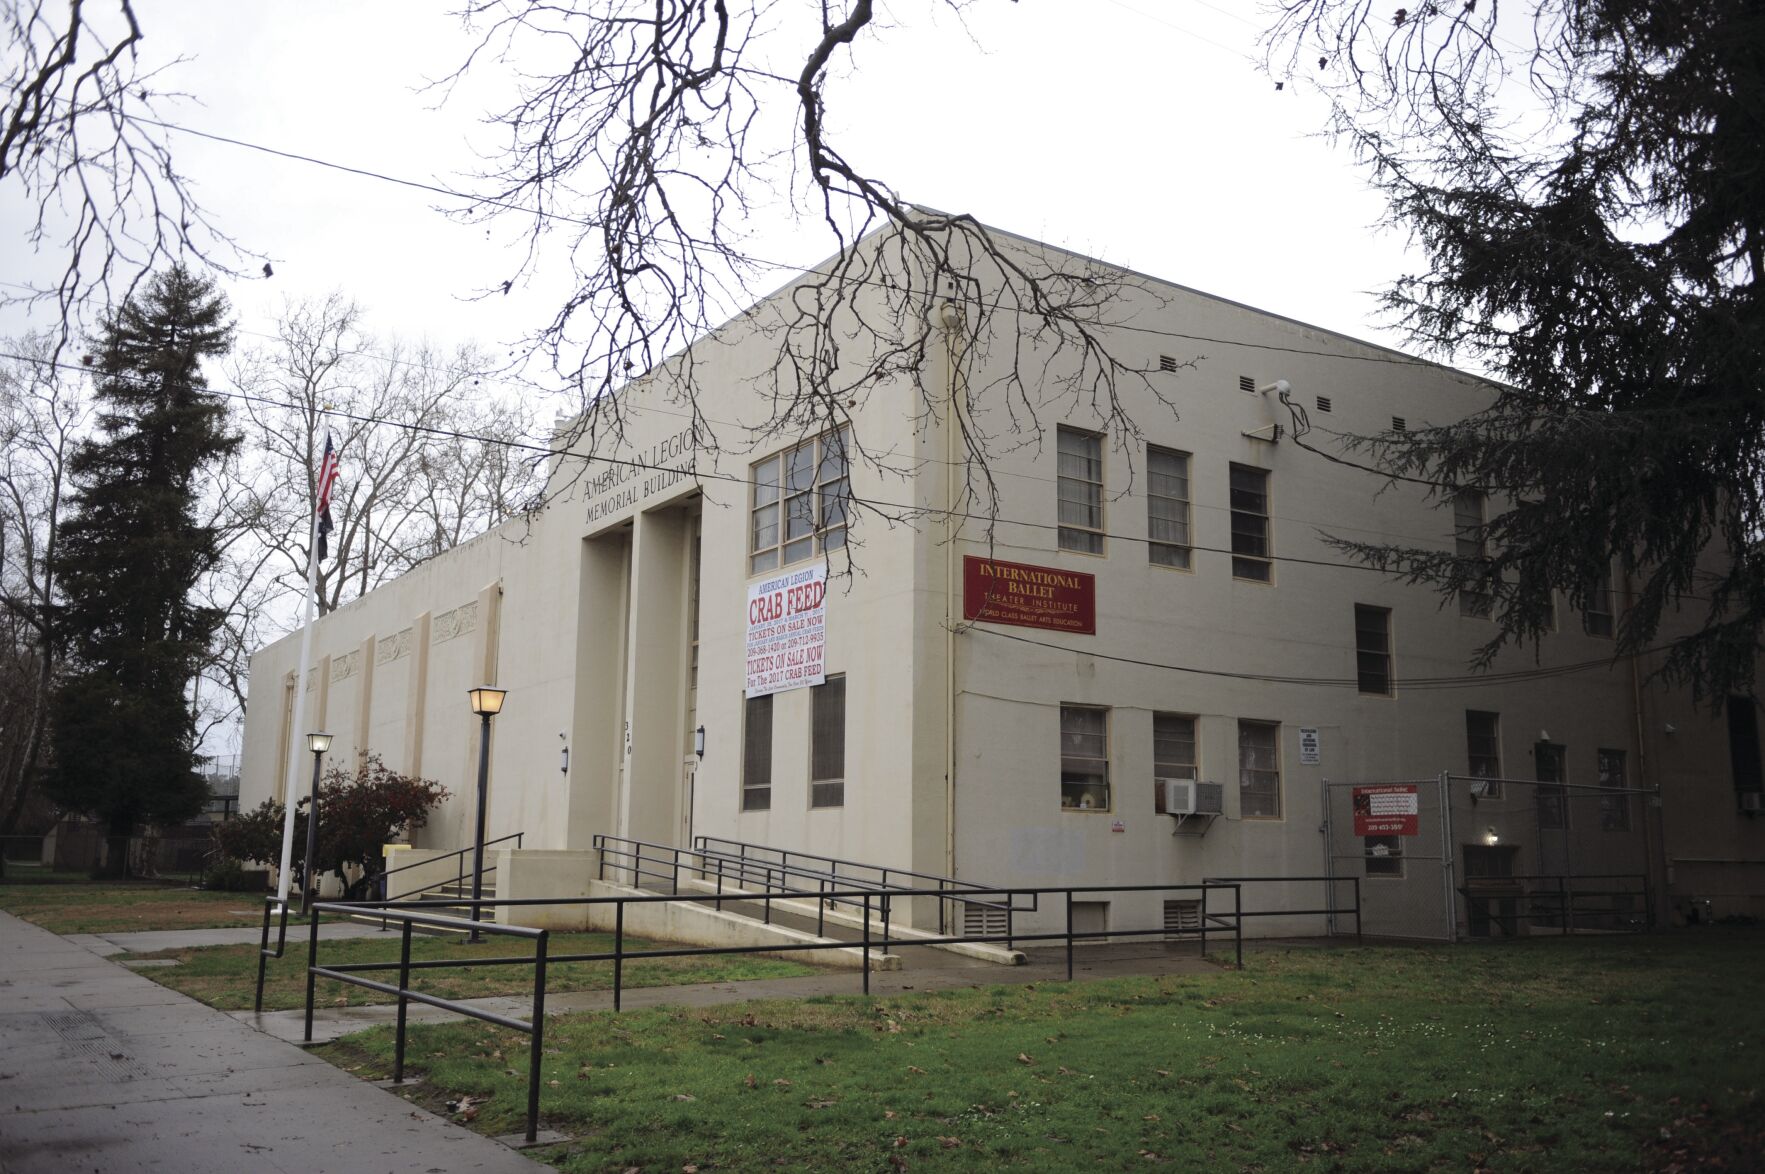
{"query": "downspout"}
[(950, 318)]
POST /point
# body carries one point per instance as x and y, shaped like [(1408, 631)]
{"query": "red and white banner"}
[(1388, 810), (787, 631)]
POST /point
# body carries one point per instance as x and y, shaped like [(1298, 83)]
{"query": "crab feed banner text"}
[(787, 631)]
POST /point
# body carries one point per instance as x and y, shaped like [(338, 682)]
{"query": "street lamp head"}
[(487, 700), (318, 743)]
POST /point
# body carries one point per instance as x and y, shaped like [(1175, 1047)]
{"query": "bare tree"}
[(43, 411), (645, 135), (82, 142), (429, 458)]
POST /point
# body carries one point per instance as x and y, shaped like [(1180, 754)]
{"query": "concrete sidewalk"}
[(102, 1069), (147, 940)]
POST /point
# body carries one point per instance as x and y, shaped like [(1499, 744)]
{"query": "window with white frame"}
[(827, 743), (1174, 752), (1081, 491), (1251, 545), (1483, 749), (1384, 855), (757, 754), (1259, 770), (1084, 758), (799, 506), (1372, 649), (1598, 619), (1469, 543), (1614, 801), (1167, 507)]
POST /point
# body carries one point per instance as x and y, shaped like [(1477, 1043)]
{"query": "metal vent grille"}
[(1323, 403), (1167, 363), (1246, 383), (986, 920), (1182, 917), (1399, 424)]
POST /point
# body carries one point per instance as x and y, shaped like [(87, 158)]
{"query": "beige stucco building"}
[(1231, 644)]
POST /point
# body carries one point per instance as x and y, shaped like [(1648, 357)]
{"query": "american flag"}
[(327, 477)]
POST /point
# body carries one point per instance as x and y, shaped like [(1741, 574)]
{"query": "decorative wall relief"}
[(393, 648), (458, 622)]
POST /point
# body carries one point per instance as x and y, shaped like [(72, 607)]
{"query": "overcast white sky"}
[(1141, 133)]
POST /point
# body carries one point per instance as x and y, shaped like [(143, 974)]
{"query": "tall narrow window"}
[(1553, 807), (1483, 749), (1467, 529), (1081, 491), (1251, 548), (1167, 507), (1614, 802), (827, 744), (757, 754), (1259, 770), (1084, 758), (1384, 855), (1372, 648), (1598, 618), (1173, 752), (1743, 744), (799, 503)]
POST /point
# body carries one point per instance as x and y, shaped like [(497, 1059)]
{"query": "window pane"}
[(1167, 507), (1259, 775), (1084, 758), (1614, 809), (1467, 525), (827, 742), (1372, 641), (1173, 752), (833, 459), (1483, 747), (1079, 493), (766, 481), (757, 754), (1384, 855), (1548, 763), (1250, 524)]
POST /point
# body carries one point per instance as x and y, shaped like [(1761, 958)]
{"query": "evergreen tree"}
[(131, 555)]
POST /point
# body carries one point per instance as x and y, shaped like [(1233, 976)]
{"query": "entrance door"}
[(689, 771), (1491, 897)]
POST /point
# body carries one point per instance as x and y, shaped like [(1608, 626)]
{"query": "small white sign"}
[(1310, 754)]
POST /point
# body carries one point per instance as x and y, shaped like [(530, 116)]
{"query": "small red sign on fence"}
[(1388, 810)]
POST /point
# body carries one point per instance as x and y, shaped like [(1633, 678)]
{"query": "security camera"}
[(1279, 387)]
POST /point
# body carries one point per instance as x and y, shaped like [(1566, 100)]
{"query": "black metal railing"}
[(460, 873), (789, 875), (1611, 901), (409, 918), (871, 902), (1330, 908)]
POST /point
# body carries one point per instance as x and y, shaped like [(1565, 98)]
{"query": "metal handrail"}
[(1330, 909), (418, 913), (459, 852)]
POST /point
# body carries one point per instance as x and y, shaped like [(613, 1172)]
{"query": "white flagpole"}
[(297, 735)]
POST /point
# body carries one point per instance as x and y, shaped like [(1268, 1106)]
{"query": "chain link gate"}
[(1459, 856)]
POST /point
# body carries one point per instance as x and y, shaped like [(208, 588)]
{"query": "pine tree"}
[(131, 554)]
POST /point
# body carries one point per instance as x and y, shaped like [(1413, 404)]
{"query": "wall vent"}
[(984, 920), (1167, 362), (1182, 917), (1246, 383), (1323, 403), (1399, 424)]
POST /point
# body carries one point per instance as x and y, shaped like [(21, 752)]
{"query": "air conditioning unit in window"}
[(1187, 797)]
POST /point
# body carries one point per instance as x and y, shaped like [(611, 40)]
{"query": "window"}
[(1084, 758), (1167, 507), (1553, 807), (1372, 648), (1384, 855), (1467, 528), (1173, 752), (1259, 770), (1250, 524), (1597, 619), (827, 744), (1483, 749), (799, 506), (1081, 491), (1614, 808), (757, 754), (1743, 744)]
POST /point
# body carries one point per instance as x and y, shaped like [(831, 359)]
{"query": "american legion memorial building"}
[(1147, 666)]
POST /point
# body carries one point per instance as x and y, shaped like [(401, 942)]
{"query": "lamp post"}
[(487, 702), (318, 744)]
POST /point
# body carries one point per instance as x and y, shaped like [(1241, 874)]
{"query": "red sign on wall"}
[(998, 592), (1385, 811)]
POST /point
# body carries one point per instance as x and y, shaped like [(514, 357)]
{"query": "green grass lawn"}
[(125, 906), (226, 976), (1580, 1054)]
